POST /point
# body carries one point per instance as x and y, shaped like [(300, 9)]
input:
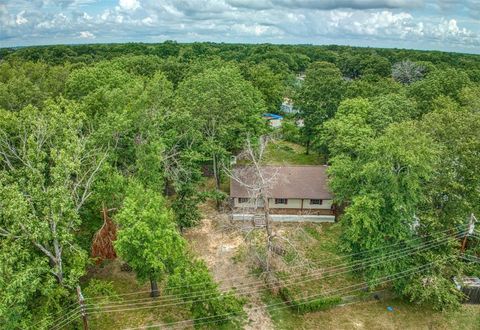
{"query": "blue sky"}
[(421, 24)]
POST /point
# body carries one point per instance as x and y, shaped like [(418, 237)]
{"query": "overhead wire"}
[(283, 303), (312, 272), (361, 263), (66, 321), (293, 267), (331, 272), (75, 313)]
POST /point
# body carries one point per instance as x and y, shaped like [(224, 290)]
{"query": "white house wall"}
[(326, 205), (293, 203)]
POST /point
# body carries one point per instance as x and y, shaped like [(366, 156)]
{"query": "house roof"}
[(272, 116), (308, 182)]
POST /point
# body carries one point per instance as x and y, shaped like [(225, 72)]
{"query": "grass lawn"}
[(317, 243), (129, 316), (374, 315), (283, 152)]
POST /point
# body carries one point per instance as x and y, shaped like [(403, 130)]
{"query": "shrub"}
[(302, 306)]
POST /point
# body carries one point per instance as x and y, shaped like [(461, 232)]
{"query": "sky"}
[(447, 25)]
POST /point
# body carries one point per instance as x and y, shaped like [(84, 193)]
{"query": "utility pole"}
[(83, 310), (471, 228)]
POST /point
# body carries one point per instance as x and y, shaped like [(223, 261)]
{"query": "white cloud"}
[(86, 35), (129, 4), (382, 23), (148, 21), (326, 4), (105, 15), (20, 18), (256, 30)]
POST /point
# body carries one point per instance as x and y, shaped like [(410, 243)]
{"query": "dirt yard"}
[(221, 245)]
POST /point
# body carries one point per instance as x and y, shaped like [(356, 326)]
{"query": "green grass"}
[(318, 243), (125, 283), (374, 315), (282, 152)]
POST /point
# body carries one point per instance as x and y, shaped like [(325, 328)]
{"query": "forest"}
[(130, 136)]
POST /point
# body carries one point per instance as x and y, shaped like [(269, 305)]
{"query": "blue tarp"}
[(272, 116)]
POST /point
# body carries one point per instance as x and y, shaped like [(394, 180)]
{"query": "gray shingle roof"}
[(309, 182)]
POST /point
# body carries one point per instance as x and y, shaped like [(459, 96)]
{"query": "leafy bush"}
[(206, 302), (291, 132), (99, 288), (436, 291), (302, 306)]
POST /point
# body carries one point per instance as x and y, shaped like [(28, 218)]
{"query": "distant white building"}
[(287, 106), (274, 120)]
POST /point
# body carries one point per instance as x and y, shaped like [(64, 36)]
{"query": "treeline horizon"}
[(394, 54)]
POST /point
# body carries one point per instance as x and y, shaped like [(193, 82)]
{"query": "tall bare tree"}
[(257, 180)]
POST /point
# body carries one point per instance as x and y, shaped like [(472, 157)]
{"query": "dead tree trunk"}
[(268, 229), (258, 181), (102, 245)]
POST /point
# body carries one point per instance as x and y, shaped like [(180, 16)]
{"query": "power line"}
[(321, 272), (67, 315), (58, 316), (370, 261), (229, 315), (359, 286), (67, 320), (349, 263), (73, 314), (327, 270), (293, 267), (158, 304)]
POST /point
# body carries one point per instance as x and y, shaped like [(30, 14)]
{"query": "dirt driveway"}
[(219, 243)]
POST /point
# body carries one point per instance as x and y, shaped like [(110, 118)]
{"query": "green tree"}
[(454, 192), (224, 108), (207, 304), (318, 98), (46, 173), (449, 82), (25, 83), (370, 86), (147, 238), (270, 84), (349, 131), (384, 187), (359, 120)]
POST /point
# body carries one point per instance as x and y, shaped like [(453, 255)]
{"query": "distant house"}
[(287, 106), (274, 120), (296, 193)]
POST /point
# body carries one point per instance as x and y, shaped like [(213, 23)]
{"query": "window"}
[(281, 201), (316, 202), (242, 200)]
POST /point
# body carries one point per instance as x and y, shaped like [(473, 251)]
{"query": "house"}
[(295, 193), (274, 120), (287, 106)]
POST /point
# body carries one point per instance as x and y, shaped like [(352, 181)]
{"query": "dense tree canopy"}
[(46, 173), (319, 97), (133, 128), (224, 108)]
